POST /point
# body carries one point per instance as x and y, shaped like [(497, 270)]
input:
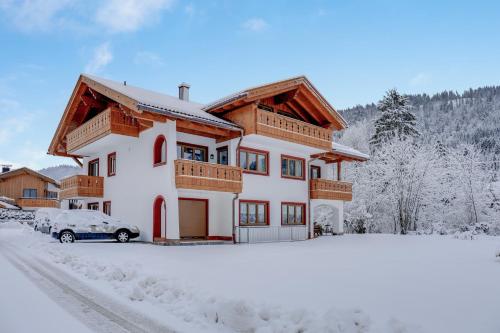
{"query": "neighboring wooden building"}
[(29, 189)]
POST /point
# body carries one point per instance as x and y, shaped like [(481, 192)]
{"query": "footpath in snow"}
[(352, 283)]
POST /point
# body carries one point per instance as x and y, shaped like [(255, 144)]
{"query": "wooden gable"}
[(91, 98), (296, 98)]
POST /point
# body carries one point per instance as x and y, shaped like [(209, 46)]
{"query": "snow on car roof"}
[(52, 212), (75, 216)]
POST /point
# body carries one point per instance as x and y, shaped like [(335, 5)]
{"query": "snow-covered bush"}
[(19, 215)]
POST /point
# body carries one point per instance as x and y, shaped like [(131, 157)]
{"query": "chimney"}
[(6, 168), (184, 91)]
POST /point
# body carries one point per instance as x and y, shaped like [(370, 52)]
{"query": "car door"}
[(81, 226)]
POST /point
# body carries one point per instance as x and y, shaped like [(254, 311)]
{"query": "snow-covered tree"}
[(395, 121), (459, 150)]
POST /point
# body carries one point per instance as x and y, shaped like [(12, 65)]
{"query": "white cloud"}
[(7, 105), (130, 15), (35, 15), (255, 24), (190, 9), (148, 58), (102, 57), (13, 126), (420, 79)]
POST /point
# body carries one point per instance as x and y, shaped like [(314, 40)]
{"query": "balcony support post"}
[(339, 170)]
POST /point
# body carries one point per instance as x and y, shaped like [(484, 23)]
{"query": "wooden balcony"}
[(258, 121), (109, 121), (330, 189), (37, 202), (289, 129), (81, 186), (208, 176)]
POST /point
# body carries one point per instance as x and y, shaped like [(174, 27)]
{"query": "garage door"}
[(193, 218)]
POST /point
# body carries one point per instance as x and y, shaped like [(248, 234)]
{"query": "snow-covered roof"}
[(7, 205), (25, 170), (165, 104), (348, 151)]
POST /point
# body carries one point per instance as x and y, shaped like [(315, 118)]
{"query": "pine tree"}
[(396, 120)]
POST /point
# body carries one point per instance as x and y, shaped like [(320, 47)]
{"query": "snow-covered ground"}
[(25, 308), (352, 283)]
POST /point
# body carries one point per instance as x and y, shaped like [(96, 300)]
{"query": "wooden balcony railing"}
[(37, 202), (330, 189), (81, 186), (289, 129), (110, 121), (208, 176)]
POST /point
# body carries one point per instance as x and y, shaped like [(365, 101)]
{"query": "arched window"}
[(160, 151)]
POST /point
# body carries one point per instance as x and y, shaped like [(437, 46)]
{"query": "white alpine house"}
[(258, 165)]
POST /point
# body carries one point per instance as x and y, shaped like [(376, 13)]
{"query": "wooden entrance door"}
[(193, 218)]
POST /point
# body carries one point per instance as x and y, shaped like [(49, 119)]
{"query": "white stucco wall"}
[(137, 183)]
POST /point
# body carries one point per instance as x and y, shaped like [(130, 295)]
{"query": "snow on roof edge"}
[(7, 205), (337, 147), (161, 110)]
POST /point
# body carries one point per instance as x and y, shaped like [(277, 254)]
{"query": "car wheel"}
[(122, 236), (67, 237)]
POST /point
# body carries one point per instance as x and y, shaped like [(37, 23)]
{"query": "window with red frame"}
[(106, 207), (253, 161), (93, 206), (160, 151), (254, 213), (292, 167), (111, 164), (293, 213), (94, 167), (315, 172)]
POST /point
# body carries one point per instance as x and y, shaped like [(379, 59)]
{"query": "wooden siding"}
[(330, 189), (258, 121), (82, 186), (208, 176), (110, 121), (12, 187), (37, 202)]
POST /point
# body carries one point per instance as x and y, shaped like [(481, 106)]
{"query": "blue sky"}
[(353, 51)]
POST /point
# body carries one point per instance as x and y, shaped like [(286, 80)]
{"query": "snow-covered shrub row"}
[(19, 215)]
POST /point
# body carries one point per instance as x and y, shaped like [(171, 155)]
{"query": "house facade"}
[(28, 189), (258, 165)]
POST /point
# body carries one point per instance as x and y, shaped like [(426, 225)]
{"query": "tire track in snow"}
[(96, 311)]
